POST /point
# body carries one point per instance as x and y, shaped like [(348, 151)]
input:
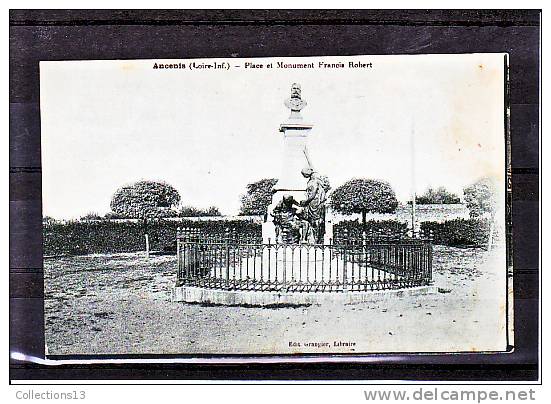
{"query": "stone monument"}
[(295, 146), (298, 185)]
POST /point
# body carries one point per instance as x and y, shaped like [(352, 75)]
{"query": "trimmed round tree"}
[(437, 196), (258, 197), (361, 195), (145, 200), (480, 197), (481, 200)]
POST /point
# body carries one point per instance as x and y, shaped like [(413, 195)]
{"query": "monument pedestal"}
[(294, 159), (285, 263), (292, 182), (295, 152)]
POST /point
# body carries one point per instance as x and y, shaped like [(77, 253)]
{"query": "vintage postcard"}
[(305, 205)]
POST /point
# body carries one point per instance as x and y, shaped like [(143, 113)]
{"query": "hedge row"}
[(95, 237), (458, 232), (374, 229), (454, 233)]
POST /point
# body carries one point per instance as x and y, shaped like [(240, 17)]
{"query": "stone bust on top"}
[(295, 103)]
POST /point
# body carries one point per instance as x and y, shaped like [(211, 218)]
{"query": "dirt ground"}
[(120, 304)]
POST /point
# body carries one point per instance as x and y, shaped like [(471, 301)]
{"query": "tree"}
[(258, 197), (145, 200), (91, 216), (213, 211), (112, 216), (364, 195), (437, 196), (191, 211), (481, 199), (48, 221)]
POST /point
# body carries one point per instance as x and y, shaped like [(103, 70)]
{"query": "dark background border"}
[(149, 34)]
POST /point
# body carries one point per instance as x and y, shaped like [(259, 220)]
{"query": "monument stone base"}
[(191, 294)]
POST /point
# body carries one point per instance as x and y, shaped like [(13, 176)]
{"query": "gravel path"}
[(120, 304)]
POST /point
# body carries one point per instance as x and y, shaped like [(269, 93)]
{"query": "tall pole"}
[(413, 193)]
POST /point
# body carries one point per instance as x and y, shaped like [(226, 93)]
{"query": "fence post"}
[(364, 258), (196, 235), (227, 242), (344, 258), (178, 254), (429, 269), (269, 258), (186, 253)]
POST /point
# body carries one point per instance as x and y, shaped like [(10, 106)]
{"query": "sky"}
[(412, 120)]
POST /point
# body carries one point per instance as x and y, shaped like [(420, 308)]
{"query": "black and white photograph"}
[(294, 205)]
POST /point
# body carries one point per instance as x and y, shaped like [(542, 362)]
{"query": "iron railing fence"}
[(342, 236), (243, 262)]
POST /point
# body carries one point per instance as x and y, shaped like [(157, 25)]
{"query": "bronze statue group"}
[(302, 222)]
